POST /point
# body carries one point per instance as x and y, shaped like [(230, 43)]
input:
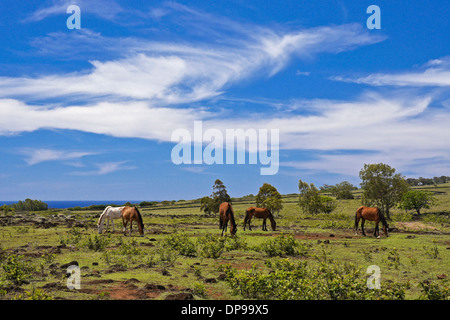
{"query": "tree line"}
[(381, 187), (26, 205)]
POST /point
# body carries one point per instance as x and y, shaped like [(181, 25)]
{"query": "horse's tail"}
[(140, 217)]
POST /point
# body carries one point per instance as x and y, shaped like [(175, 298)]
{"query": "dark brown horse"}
[(261, 213), (130, 214), (372, 214), (226, 213)]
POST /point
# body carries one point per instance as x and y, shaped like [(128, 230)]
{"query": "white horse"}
[(110, 213)]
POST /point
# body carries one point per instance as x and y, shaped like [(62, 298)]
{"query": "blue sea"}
[(59, 204)]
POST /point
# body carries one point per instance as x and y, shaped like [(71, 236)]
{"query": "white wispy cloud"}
[(35, 156), (176, 72), (435, 73), (105, 168), (118, 119)]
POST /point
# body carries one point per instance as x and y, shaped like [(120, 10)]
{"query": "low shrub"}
[(17, 270), (284, 245), (287, 280)]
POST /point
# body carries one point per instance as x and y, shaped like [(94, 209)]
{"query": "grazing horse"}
[(130, 214), (110, 213), (371, 214), (261, 213), (226, 213)]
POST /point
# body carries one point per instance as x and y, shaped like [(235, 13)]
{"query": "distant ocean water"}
[(60, 204)]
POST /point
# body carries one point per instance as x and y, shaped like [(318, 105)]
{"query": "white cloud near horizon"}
[(434, 73)]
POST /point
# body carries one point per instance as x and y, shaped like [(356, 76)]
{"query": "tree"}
[(206, 205), (382, 187), (218, 196), (269, 197), (311, 201), (417, 200), (343, 190), (30, 205)]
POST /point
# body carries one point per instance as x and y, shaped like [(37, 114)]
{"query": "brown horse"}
[(130, 214), (371, 214), (226, 213), (261, 213)]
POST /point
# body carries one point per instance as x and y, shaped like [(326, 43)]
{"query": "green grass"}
[(417, 252)]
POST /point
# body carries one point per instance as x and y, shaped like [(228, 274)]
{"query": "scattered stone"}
[(66, 265), (180, 296)]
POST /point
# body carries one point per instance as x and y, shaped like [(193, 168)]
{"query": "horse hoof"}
[(378, 237)]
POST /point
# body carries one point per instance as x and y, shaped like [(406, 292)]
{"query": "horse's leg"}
[(264, 225), (124, 222), (362, 226), (377, 230), (131, 226), (225, 226), (249, 226), (356, 225), (112, 222)]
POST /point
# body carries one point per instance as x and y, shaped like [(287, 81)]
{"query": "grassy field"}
[(182, 255)]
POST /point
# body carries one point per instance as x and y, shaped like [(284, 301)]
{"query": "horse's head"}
[(233, 229), (274, 225), (100, 228)]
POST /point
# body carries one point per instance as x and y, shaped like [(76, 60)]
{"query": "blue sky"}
[(88, 114)]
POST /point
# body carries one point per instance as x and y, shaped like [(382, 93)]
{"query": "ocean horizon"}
[(64, 204)]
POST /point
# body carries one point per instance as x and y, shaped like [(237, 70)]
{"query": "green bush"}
[(287, 280), (99, 243), (17, 270), (181, 243), (434, 291), (284, 245), (210, 246)]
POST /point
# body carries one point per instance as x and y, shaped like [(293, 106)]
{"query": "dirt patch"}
[(131, 289)]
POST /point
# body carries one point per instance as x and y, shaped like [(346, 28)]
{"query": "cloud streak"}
[(35, 156), (105, 168), (172, 73), (435, 73)]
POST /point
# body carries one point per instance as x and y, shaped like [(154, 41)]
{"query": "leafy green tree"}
[(382, 187), (343, 190), (30, 205), (218, 196), (206, 205), (311, 201), (269, 197), (417, 200)]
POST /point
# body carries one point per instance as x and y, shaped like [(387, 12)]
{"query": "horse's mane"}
[(140, 217), (382, 218), (230, 209), (103, 214)]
